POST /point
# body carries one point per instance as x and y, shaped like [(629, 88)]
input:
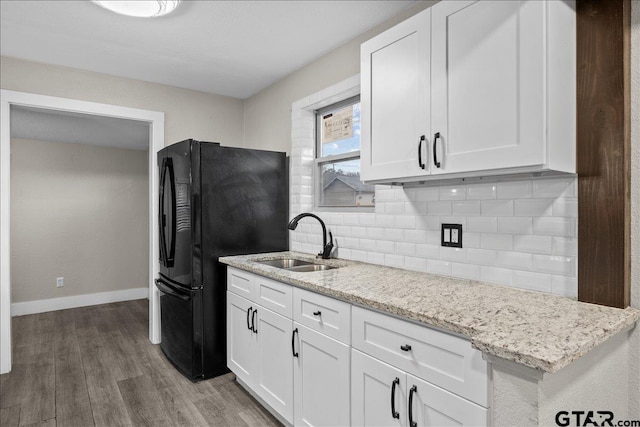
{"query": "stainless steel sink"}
[(311, 267), (285, 263), (296, 265)]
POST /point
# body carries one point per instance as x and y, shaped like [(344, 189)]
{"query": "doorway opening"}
[(62, 112)]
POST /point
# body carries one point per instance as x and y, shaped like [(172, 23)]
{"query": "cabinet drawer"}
[(323, 314), (240, 283), (275, 296), (440, 358)]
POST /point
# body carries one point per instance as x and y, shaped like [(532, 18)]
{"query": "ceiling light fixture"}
[(139, 8)]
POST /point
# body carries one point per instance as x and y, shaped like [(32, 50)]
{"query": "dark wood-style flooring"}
[(95, 366)]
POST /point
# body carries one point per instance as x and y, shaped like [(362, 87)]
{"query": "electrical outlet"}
[(59, 282), (452, 235)]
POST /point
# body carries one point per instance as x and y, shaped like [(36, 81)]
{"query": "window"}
[(338, 182)]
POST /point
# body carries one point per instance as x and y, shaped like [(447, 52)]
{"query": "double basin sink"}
[(291, 264)]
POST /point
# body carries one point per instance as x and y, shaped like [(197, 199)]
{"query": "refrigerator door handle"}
[(164, 287), (168, 255)]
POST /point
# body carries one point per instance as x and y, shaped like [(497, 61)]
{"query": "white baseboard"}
[(54, 304)]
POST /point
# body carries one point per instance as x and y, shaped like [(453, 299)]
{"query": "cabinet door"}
[(487, 88), (321, 380), (432, 406), (241, 341), (373, 384), (395, 100), (274, 370)]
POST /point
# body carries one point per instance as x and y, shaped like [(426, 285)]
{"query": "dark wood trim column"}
[(603, 151)]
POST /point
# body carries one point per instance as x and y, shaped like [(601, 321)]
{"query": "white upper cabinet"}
[(501, 93), (395, 101)]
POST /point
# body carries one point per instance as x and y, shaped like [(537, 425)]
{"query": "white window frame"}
[(320, 161)]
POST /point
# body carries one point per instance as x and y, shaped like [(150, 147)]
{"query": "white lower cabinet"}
[(382, 395), (274, 373), (321, 379), (259, 352), (241, 341), (317, 361)]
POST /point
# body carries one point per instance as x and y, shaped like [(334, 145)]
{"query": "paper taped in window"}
[(337, 125)]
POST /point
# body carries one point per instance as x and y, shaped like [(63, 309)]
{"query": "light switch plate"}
[(451, 235)]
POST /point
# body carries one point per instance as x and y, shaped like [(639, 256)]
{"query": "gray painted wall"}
[(80, 212)]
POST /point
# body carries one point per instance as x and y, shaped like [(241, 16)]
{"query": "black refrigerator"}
[(214, 201)]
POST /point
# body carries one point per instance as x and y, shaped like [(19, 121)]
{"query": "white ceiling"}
[(234, 48), (62, 126)]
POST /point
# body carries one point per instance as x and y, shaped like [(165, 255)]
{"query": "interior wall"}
[(80, 212), (267, 114), (188, 113)]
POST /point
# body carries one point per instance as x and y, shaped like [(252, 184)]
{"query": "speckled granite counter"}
[(542, 331)]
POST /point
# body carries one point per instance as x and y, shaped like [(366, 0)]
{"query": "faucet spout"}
[(326, 247)]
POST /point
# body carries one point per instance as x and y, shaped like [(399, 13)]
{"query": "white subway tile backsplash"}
[(405, 221), (453, 193), (428, 251), (394, 261), (428, 222), (470, 240), (453, 254), (555, 187), (482, 224), (533, 281), (515, 260), (533, 244), (415, 208), (385, 246), (565, 286), (436, 266), (358, 231), (533, 207), (375, 232), (402, 248), (503, 242), (375, 258), (514, 190), (515, 225), (394, 234), (465, 271), (482, 257), (385, 220), (564, 246), (501, 276), (518, 233), (481, 191), (467, 207), (427, 194), (496, 207), (553, 226), (439, 208), (414, 236), (554, 264), (565, 207), (394, 207), (415, 264)]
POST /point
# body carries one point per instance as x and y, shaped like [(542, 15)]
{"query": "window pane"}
[(341, 185), (340, 130)]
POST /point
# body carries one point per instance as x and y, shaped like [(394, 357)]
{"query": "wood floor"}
[(95, 366)]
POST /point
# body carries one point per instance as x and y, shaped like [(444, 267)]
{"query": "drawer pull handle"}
[(293, 342), (317, 313), (249, 310), (436, 163), (394, 413), (412, 423), (253, 321), (405, 347)]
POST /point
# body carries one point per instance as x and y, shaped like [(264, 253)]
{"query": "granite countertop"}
[(539, 330)]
